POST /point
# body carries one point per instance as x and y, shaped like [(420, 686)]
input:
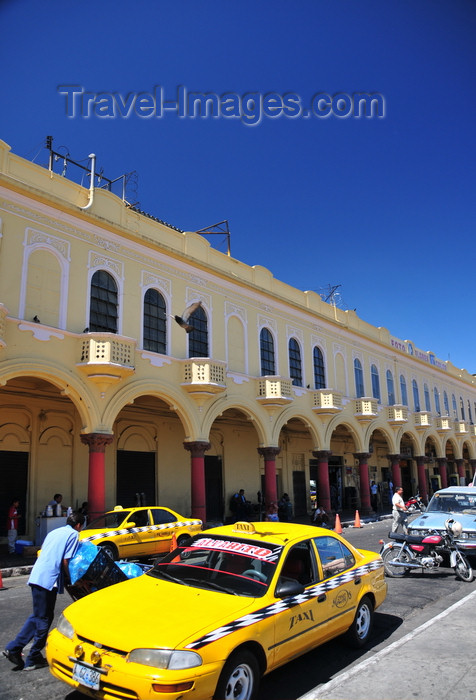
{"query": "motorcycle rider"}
[(399, 511)]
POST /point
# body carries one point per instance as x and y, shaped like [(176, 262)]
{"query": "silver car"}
[(457, 502)]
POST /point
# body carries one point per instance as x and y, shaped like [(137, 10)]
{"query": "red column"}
[(97, 443), (270, 489), (197, 451), (422, 487), (472, 463), (396, 472), (364, 481), (443, 469), (460, 466), (323, 488)]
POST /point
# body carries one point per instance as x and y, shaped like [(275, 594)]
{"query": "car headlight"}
[(65, 627), (165, 658), (464, 536)]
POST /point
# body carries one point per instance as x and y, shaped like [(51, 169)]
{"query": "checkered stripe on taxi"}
[(145, 528), (285, 604)]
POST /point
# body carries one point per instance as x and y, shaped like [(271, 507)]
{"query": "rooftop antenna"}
[(220, 228)]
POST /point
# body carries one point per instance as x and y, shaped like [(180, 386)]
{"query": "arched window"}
[(390, 388), (470, 415), (198, 337), (155, 338), (295, 368), (455, 409), (446, 403), (403, 390), (375, 382), (427, 397), (319, 369), (266, 346), (359, 378), (436, 394), (416, 396), (103, 303), (461, 405)]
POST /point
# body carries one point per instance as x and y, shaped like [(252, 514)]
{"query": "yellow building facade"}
[(105, 398)]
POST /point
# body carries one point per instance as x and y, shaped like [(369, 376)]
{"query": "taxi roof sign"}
[(243, 526)]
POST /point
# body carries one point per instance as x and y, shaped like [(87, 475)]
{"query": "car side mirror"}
[(131, 524), (287, 587)]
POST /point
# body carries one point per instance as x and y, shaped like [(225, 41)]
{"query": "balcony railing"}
[(461, 427), (326, 401), (365, 409), (203, 378), (274, 391), (397, 414), (444, 424), (422, 420), (106, 358)]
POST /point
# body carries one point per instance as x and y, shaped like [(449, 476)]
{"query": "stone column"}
[(97, 443), (323, 488), (460, 466), (197, 459), (422, 487), (396, 471), (443, 469), (270, 489), (363, 457)]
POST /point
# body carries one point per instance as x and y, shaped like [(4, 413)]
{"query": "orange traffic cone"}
[(2, 587), (173, 543), (357, 519), (338, 526)]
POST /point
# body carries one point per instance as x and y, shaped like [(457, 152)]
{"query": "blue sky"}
[(384, 207)]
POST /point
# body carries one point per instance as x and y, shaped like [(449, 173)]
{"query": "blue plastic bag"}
[(82, 560)]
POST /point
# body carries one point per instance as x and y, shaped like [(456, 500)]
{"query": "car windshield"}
[(108, 520), (230, 565), (452, 503)]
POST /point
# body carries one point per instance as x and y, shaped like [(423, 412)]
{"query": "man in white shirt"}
[(399, 512)]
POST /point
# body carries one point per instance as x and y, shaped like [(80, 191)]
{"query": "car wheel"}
[(239, 679), (182, 540), (392, 555), (359, 632), (463, 568), (110, 549)]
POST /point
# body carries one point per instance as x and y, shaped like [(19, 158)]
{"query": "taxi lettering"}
[(296, 619), (341, 599)]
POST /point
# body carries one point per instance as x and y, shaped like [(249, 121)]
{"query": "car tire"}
[(359, 632), (239, 679), (182, 540), (111, 550)]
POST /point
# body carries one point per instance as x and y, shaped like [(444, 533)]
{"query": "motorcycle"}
[(415, 503), (409, 552)]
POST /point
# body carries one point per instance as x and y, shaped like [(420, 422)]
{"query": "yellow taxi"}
[(139, 532), (241, 600)]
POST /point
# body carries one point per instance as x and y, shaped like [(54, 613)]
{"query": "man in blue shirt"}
[(46, 580)]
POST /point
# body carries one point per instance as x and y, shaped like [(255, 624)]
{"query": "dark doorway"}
[(14, 478), (135, 479), (300, 498), (214, 489)]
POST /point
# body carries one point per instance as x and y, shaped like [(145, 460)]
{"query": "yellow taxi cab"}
[(241, 600), (139, 532)]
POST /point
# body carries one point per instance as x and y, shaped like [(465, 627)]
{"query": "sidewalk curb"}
[(17, 571)]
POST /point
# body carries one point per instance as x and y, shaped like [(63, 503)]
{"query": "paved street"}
[(333, 670)]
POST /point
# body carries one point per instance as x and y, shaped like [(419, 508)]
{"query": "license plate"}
[(88, 677)]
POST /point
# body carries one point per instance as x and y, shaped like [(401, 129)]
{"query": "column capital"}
[(269, 453), (97, 442), (322, 454), (362, 457), (198, 448), (442, 461), (421, 459), (394, 458)]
